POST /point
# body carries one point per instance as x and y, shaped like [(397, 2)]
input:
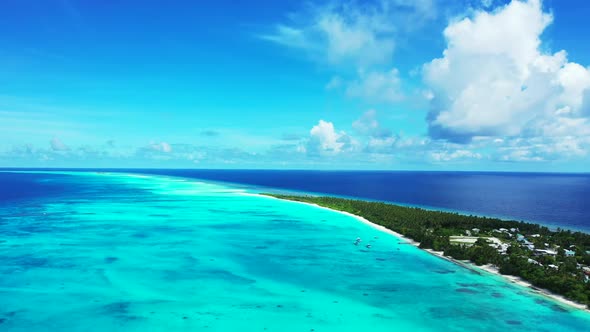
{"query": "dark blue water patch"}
[(140, 235), (31, 261), (27, 186), (543, 302), (117, 308), (443, 271), (559, 308), (513, 322), (384, 288), (32, 189), (110, 260), (466, 290), (465, 284), (35, 228), (120, 311), (28, 261)]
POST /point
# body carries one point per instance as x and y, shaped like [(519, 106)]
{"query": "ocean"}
[(96, 251), (552, 199)]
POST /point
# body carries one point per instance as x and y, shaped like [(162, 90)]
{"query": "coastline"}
[(490, 269)]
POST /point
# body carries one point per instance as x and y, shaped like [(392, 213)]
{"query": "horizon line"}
[(293, 169)]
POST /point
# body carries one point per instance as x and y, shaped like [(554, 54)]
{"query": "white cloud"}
[(356, 32), (377, 86), (355, 35), (161, 147), (324, 136), (520, 155), (359, 39), (454, 155), (543, 148), (382, 145), (288, 36), (494, 79), (325, 140), (57, 145)]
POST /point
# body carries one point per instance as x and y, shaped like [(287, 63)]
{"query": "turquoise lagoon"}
[(155, 253)]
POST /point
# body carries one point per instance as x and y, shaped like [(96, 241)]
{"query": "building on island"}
[(547, 252)]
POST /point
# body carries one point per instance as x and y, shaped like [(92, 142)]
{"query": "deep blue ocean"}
[(552, 199)]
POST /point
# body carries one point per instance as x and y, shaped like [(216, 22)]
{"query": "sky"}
[(477, 85)]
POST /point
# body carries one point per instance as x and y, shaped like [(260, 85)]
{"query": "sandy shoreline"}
[(468, 265)]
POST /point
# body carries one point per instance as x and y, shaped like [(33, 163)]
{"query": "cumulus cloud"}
[(494, 79), (57, 145), (325, 140), (373, 142), (324, 136)]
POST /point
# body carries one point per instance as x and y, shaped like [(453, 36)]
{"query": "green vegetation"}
[(554, 260)]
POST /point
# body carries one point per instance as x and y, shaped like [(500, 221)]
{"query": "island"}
[(555, 260)]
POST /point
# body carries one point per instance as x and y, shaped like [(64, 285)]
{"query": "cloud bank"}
[(494, 79)]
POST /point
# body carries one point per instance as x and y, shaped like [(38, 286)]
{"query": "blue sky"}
[(383, 84)]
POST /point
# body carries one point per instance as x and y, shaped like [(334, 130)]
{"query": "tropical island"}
[(555, 260)]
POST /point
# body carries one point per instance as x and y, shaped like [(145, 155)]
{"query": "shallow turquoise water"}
[(166, 254)]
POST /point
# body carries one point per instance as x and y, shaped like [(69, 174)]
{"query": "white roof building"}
[(546, 252)]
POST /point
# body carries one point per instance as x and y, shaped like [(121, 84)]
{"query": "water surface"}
[(553, 199), (96, 252)]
